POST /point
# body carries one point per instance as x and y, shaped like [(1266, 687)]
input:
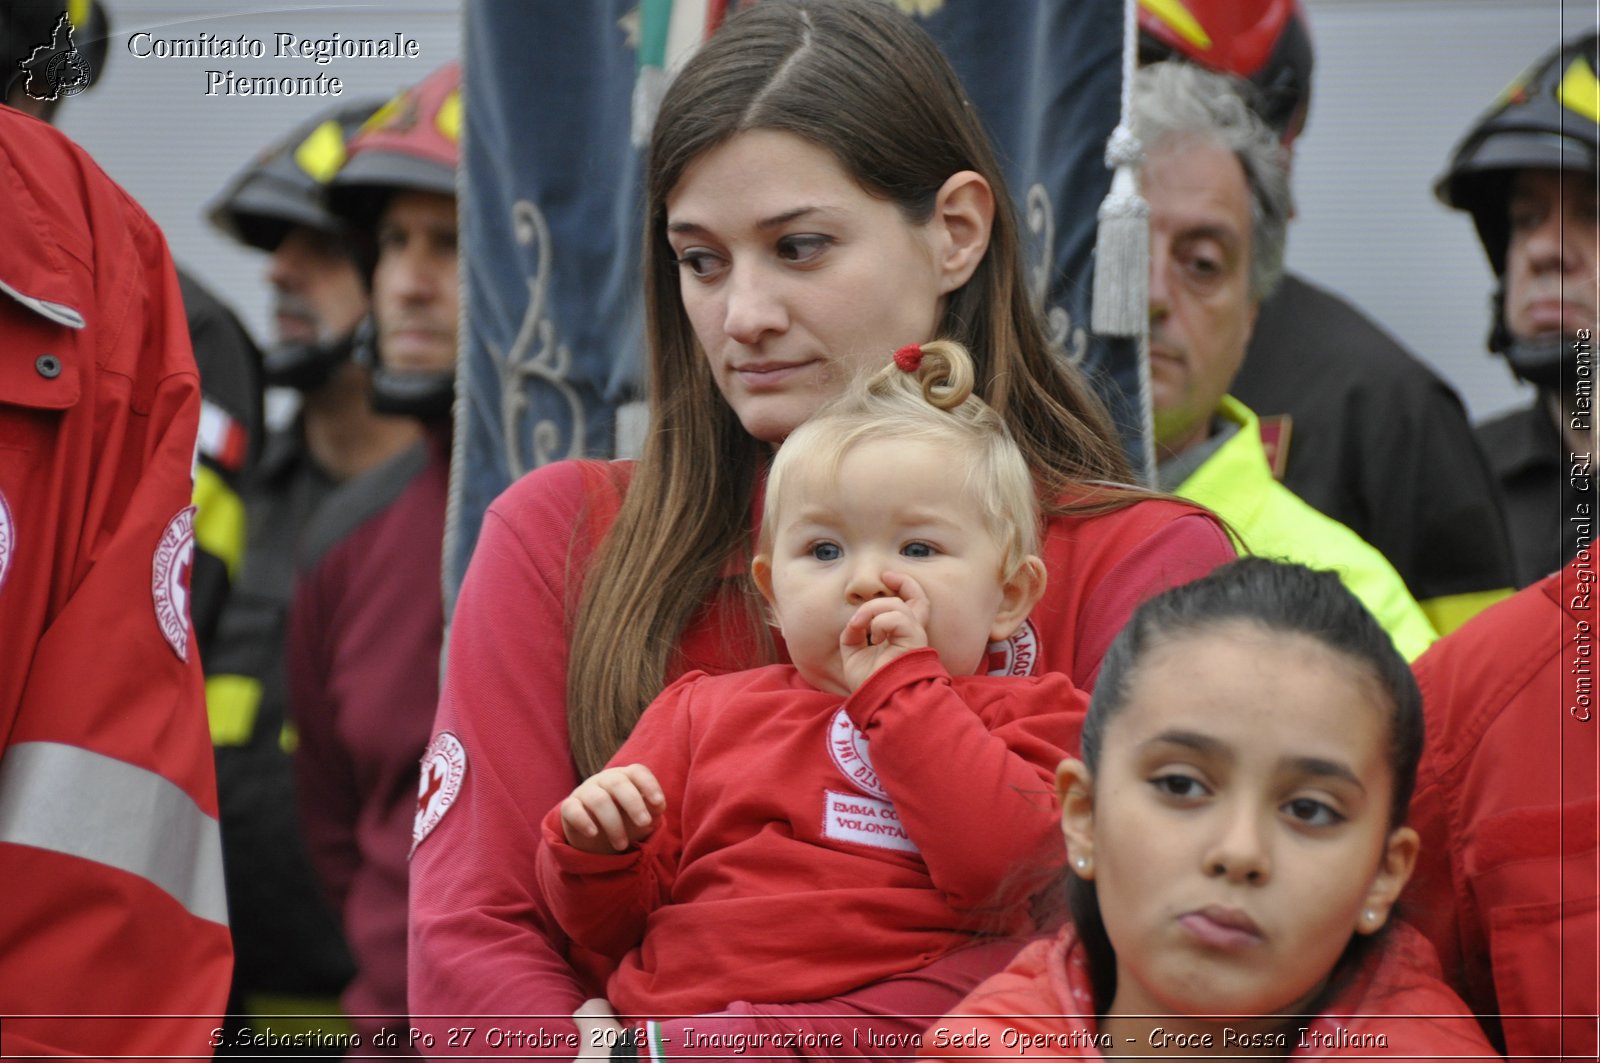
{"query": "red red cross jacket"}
[(1392, 1007), (109, 846), (1507, 880)]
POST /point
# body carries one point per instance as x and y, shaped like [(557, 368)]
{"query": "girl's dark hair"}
[(1279, 598)]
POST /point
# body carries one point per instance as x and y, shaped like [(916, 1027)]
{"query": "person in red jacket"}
[(898, 541), (1507, 806), (1236, 841), (109, 845)]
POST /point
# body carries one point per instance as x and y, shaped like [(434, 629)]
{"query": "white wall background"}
[(151, 126), (1397, 83)]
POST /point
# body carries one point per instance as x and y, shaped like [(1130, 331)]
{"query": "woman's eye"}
[(826, 551), (699, 263), (1312, 812), (802, 248), (1179, 785), (917, 550)]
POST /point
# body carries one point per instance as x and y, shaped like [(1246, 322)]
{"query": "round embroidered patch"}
[(848, 748), (8, 539), (1017, 655), (444, 765), (169, 580)]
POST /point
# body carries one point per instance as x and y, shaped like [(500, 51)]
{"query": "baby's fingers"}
[(590, 822), (619, 804), (909, 591), (645, 785)]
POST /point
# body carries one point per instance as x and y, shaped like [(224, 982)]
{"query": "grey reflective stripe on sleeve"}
[(89, 805)]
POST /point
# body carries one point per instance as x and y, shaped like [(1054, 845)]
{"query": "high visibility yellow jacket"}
[(1269, 520)]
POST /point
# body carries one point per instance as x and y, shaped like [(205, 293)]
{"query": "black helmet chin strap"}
[(306, 367), (1537, 361), (426, 395)]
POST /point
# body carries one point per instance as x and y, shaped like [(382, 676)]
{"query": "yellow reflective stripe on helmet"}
[(1450, 611), (449, 118), (78, 12), (232, 704), (219, 526), (74, 801), (1178, 18), (1579, 91), (382, 115), (288, 738), (322, 153)]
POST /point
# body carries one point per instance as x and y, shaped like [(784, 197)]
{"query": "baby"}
[(822, 830)]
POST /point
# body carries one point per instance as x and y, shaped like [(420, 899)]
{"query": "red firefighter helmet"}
[(412, 142), (1264, 42)]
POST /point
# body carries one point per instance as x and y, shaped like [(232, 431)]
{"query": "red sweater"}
[(778, 816), (482, 938), (1507, 880), (1394, 1007), (363, 645)]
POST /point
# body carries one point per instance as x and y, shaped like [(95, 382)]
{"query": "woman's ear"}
[(963, 215), (1075, 791), (1394, 871), (1020, 594)]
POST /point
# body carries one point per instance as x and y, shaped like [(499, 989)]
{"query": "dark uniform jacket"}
[(1381, 444)]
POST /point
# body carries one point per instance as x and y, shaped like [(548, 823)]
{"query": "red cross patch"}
[(444, 765)]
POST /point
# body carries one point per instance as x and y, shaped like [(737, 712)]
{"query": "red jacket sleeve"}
[(990, 829), (482, 940), (603, 900), (109, 844)]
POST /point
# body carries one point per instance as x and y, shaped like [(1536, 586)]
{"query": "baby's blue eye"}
[(916, 550), (826, 551)]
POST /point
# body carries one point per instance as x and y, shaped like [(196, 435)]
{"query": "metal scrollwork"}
[(536, 355)]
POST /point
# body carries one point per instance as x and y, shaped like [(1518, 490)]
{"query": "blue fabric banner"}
[(551, 197)]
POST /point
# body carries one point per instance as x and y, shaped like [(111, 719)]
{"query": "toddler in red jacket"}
[(801, 832), (1236, 840)]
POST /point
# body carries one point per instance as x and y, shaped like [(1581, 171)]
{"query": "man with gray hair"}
[(1218, 188)]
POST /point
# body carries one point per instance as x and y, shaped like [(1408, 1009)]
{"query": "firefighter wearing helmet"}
[(366, 626), (1356, 424), (275, 204), (287, 942), (397, 192), (1526, 173)]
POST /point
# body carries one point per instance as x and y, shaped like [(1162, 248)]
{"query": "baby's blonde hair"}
[(933, 403)]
